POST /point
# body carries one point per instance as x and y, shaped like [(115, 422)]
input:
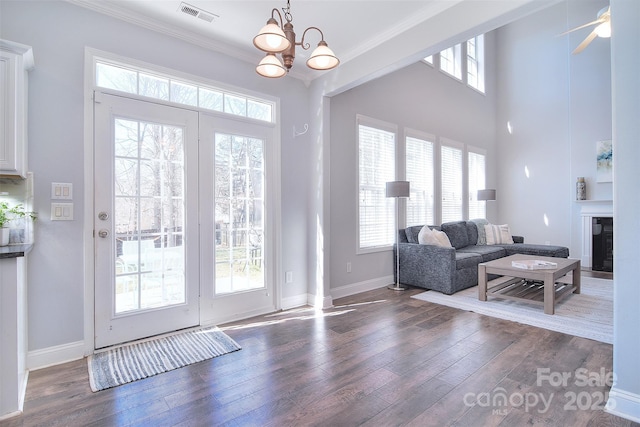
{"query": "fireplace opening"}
[(602, 244)]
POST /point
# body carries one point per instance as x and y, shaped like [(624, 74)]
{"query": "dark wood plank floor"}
[(379, 358)]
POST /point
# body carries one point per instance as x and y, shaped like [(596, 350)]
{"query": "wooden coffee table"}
[(543, 287)]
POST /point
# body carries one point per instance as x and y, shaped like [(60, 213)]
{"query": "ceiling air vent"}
[(197, 12)]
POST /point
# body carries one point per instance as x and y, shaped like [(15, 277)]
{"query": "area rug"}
[(143, 359), (588, 314)]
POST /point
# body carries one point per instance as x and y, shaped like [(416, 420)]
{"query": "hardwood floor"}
[(376, 359)]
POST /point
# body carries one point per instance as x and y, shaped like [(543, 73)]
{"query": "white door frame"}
[(87, 344)]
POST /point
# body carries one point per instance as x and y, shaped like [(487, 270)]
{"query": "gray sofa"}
[(449, 270)]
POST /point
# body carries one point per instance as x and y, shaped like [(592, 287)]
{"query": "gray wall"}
[(58, 33), (418, 97)]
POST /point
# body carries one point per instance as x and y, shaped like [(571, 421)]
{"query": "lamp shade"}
[(487, 194), (270, 66), (271, 38), (397, 189), (322, 58)]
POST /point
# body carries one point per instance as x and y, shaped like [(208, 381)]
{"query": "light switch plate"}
[(61, 190), (61, 211)]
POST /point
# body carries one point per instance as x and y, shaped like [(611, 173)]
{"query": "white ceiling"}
[(356, 30), (350, 27)]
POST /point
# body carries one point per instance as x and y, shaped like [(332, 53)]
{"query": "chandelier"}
[(279, 38)]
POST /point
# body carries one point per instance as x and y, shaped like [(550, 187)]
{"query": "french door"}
[(184, 216), (146, 219), (236, 261)]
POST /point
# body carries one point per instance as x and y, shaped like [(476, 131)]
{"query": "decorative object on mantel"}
[(279, 38), (581, 189), (604, 166), (397, 189)]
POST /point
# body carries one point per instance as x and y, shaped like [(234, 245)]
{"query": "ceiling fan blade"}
[(597, 21), (592, 35)]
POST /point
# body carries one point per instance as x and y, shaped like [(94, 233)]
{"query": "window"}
[(428, 59), (420, 173), (477, 209), (475, 63), (450, 61), (377, 160), (124, 79), (451, 180)]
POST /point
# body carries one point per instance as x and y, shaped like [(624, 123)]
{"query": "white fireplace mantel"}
[(590, 209)]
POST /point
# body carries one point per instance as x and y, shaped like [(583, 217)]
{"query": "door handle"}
[(103, 216), (103, 233)]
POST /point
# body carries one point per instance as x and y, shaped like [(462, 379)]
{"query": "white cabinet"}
[(13, 320), (15, 62)]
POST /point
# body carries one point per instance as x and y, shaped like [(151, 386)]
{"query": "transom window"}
[(452, 63), (163, 87)]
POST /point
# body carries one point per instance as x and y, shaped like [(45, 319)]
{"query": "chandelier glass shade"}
[(279, 38)]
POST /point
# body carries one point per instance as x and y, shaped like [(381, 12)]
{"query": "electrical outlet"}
[(349, 267), (288, 277)]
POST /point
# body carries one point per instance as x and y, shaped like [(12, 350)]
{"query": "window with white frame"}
[(451, 172), (376, 166), (122, 78), (428, 59), (476, 181), (475, 63), (420, 173), (451, 61)]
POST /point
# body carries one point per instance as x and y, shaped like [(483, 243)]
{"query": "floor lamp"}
[(397, 189)]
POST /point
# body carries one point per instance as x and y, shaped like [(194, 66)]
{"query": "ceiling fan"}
[(602, 29)]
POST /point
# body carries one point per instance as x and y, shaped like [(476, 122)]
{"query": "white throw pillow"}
[(428, 236), (498, 234), (425, 235)]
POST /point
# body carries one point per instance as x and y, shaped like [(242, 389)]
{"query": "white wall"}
[(418, 97), (625, 47), (58, 33), (559, 105)]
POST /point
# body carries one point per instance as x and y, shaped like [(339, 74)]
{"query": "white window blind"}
[(420, 173), (475, 63), (376, 153), (477, 209), (451, 171), (450, 61)]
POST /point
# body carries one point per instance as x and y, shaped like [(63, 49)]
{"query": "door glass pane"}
[(148, 216), (239, 203)]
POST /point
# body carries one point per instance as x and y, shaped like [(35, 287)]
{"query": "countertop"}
[(15, 251)]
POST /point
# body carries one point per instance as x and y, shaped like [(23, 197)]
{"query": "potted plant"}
[(8, 214)]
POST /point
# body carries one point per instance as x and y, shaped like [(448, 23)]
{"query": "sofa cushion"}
[(540, 250), (467, 260), (472, 233), (412, 233), (498, 234), (482, 235), (457, 233), (428, 236), (488, 253)]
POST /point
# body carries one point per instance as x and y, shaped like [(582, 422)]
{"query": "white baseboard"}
[(624, 404), (43, 358), (319, 302), (294, 301), (356, 288)]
